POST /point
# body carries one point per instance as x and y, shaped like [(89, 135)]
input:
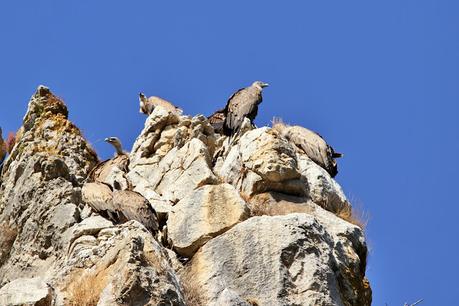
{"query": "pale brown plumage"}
[(312, 144), (242, 104), (120, 163), (133, 206), (147, 105), (99, 197), (119, 206)]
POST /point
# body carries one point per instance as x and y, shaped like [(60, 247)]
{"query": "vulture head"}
[(114, 141), (260, 84)]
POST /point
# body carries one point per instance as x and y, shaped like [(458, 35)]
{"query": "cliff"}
[(251, 223)]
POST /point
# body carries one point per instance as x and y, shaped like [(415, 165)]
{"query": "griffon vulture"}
[(112, 171), (119, 206), (312, 144), (217, 119), (147, 105), (242, 104)]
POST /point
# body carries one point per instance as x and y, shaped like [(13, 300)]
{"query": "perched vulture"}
[(147, 105), (112, 171), (312, 144), (133, 206), (242, 104), (217, 119), (119, 206)]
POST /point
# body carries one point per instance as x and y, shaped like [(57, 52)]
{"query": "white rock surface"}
[(26, 291), (282, 260), (207, 212), (262, 161), (322, 189)]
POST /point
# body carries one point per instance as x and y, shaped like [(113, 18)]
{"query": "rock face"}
[(204, 214), (282, 260), (251, 221), (25, 291)]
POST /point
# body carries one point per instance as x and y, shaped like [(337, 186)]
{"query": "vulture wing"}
[(133, 206), (99, 197), (315, 148), (217, 119), (105, 171), (244, 103)]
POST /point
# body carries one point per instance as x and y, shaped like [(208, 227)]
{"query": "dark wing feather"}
[(99, 197), (315, 148), (243, 103), (217, 119), (133, 206)]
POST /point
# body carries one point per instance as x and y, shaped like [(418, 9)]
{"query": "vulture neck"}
[(118, 148)]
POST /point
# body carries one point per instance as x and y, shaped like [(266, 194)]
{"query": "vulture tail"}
[(337, 155)]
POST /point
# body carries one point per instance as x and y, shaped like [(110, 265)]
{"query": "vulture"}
[(147, 105), (242, 104), (112, 171), (217, 119), (119, 206), (312, 144)]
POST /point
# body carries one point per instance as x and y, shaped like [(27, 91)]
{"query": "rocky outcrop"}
[(206, 213), (249, 220), (281, 260), (262, 161)]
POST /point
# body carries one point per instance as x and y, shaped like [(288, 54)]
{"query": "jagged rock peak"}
[(251, 221), (42, 102)]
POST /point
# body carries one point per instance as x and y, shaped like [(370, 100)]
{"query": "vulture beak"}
[(107, 139), (264, 85)]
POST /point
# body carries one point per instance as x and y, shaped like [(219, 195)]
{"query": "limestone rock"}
[(201, 187), (262, 161), (172, 156), (322, 188), (27, 291), (207, 212), (119, 265), (39, 193), (230, 298), (282, 260)]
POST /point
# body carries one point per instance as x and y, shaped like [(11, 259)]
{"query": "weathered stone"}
[(262, 161), (207, 212), (282, 260), (26, 292), (178, 173), (123, 265), (322, 189), (230, 298), (172, 155)]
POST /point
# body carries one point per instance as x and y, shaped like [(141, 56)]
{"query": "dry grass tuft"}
[(8, 234), (245, 197), (192, 290), (85, 290), (355, 216), (263, 205), (279, 209), (252, 301)]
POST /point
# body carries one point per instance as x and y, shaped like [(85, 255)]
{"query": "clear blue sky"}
[(378, 79)]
